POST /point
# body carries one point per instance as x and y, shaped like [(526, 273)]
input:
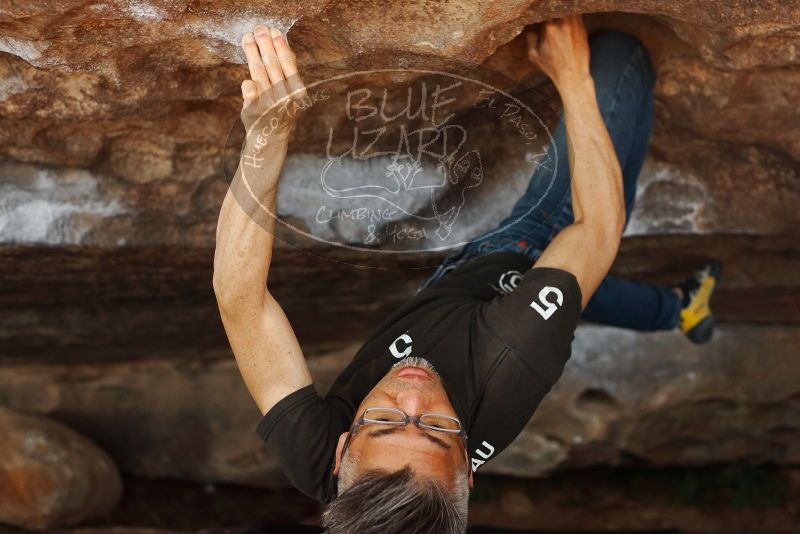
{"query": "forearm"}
[(245, 229), (267, 352), (263, 342), (597, 192), (587, 247)]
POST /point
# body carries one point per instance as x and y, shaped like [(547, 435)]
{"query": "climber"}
[(453, 376)]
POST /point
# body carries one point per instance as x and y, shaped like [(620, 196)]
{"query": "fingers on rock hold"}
[(249, 92), (268, 55)]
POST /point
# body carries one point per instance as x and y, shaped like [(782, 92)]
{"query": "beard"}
[(417, 361), (394, 383)]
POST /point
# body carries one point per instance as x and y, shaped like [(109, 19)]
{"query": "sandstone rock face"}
[(50, 475), (115, 114), (624, 398), (117, 123)]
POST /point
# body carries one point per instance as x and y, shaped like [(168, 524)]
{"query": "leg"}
[(635, 305), (624, 303), (623, 79), (625, 97)]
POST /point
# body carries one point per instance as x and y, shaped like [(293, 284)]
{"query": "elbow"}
[(613, 224), (229, 295), (618, 224), (606, 228), (230, 286), (614, 241), (223, 292), (236, 297), (227, 284), (609, 236), (607, 232)]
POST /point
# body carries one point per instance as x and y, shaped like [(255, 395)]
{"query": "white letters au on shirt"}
[(485, 451)]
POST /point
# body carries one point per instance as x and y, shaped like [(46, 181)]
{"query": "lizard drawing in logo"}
[(434, 193)]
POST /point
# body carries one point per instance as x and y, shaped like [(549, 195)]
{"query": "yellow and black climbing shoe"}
[(697, 321)]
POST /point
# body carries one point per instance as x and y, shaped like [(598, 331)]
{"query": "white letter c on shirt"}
[(393, 347)]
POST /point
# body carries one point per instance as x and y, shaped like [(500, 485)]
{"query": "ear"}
[(471, 482), (338, 455)]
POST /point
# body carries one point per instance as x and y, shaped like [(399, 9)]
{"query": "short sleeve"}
[(510, 397), (537, 319), (302, 430)]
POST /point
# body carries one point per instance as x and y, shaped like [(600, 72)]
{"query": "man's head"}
[(392, 478)]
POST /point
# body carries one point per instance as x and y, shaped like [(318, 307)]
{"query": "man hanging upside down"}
[(452, 377)]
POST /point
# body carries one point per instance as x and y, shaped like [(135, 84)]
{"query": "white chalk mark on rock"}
[(143, 11), (232, 30), (53, 209), (30, 51)]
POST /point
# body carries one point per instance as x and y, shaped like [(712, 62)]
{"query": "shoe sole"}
[(703, 331)]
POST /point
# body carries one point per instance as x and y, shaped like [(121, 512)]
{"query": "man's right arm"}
[(266, 349), (587, 247)]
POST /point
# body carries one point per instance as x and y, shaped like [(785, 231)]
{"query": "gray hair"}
[(380, 502)]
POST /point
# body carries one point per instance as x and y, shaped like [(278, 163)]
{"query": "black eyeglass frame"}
[(416, 419)]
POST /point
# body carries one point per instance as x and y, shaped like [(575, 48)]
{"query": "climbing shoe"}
[(697, 321)]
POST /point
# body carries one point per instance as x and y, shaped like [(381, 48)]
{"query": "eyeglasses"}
[(396, 417)]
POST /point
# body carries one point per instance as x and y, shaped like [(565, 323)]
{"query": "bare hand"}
[(274, 91), (560, 48)]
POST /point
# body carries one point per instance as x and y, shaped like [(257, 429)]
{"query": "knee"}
[(621, 44)]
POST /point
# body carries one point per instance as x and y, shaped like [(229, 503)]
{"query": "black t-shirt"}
[(498, 333)]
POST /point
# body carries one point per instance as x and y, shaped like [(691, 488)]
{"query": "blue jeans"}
[(624, 77)]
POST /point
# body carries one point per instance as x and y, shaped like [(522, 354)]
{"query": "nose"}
[(412, 401)]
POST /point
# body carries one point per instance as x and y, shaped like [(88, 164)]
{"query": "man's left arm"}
[(587, 247)]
